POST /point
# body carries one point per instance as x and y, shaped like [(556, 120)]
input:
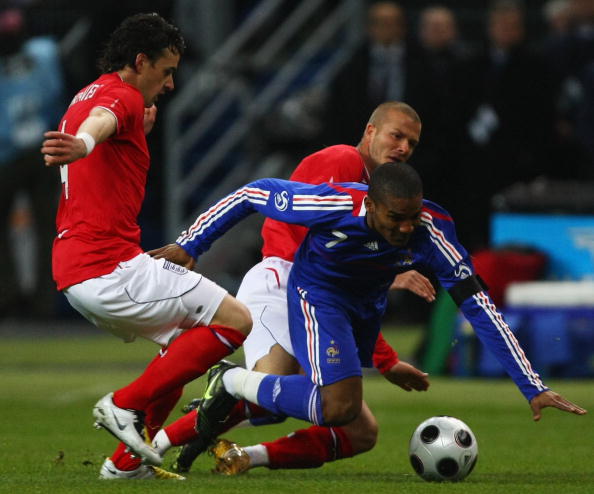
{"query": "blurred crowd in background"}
[(505, 90)]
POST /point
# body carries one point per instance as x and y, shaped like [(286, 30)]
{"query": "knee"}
[(234, 314), (244, 319), (343, 412)]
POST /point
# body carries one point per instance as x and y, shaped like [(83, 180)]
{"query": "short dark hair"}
[(394, 180), (140, 33)]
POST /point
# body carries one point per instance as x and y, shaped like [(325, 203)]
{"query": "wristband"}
[(88, 140)]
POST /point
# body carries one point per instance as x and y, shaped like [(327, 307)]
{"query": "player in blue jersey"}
[(391, 134), (358, 240)]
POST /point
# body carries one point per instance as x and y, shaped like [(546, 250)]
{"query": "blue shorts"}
[(330, 341)]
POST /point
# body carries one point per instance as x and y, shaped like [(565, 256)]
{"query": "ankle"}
[(161, 442)]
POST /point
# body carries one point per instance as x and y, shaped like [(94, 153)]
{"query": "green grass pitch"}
[(48, 445)]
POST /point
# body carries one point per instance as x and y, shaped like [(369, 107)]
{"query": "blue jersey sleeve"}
[(452, 264), (283, 200)]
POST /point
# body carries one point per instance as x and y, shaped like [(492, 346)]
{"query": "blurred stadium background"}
[(257, 91)]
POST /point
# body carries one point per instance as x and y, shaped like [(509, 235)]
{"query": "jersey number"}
[(64, 179), (64, 169), (341, 237)]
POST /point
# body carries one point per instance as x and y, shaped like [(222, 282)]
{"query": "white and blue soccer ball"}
[(443, 449)]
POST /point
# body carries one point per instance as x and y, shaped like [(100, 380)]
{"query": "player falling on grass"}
[(358, 239), (98, 263), (392, 134)]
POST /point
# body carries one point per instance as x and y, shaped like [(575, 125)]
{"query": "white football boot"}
[(110, 472), (127, 425)]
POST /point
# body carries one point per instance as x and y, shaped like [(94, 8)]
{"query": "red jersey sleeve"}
[(332, 164), (124, 104), (384, 356)]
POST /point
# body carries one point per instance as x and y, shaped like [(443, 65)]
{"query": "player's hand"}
[(59, 148), (174, 253), (408, 377), (551, 399), (416, 283), (150, 116)]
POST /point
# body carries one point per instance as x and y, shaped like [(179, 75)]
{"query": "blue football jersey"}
[(345, 261)]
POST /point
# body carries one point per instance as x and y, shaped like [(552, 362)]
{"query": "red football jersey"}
[(102, 194), (339, 163)]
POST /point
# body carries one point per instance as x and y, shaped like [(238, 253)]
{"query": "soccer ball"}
[(443, 448)]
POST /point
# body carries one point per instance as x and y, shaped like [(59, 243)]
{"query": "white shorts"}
[(153, 299), (264, 291)]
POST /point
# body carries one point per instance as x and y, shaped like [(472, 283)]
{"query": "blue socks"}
[(295, 396)]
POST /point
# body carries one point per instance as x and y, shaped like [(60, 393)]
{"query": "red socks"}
[(183, 430), (123, 460), (160, 386), (309, 448), (158, 411), (188, 357), (305, 448)]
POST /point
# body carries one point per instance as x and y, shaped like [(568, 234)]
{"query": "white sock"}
[(258, 455), (161, 442), (243, 383)]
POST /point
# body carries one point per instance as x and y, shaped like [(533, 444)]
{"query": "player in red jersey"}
[(391, 135), (98, 262)]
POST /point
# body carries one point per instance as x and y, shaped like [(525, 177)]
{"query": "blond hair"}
[(379, 114)]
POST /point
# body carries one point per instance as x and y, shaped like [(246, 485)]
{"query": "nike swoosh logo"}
[(120, 426), (207, 394), (111, 471)]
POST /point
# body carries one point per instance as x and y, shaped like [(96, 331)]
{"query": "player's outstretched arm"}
[(173, 253), (60, 148), (551, 399), (408, 377), (416, 283)]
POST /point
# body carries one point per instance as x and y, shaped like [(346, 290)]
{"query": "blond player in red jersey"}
[(98, 262), (391, 135)]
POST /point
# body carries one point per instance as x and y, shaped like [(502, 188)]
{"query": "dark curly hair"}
[(140, 33), (398, 180)]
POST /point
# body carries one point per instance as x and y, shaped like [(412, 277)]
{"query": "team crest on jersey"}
[(406, 259), (281, 200), (174, 268), (332, 352)]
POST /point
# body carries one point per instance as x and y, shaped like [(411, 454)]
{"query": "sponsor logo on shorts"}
[(174, 268)]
